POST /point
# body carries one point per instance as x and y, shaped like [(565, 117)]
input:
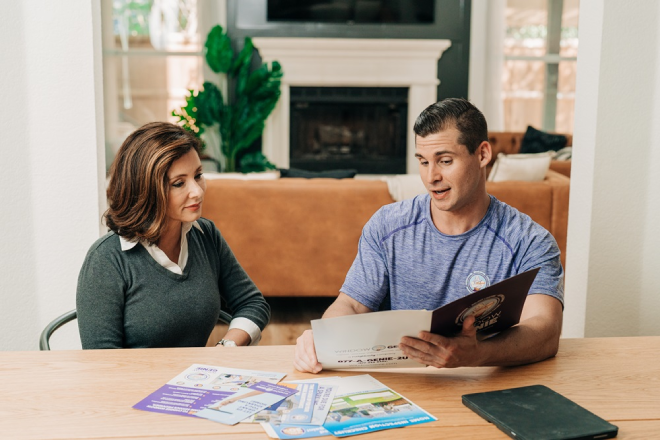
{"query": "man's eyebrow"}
[(437, 153)]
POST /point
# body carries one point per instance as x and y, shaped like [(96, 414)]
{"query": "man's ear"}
[(485, 153)]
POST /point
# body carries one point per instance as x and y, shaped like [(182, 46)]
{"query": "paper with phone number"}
[(246, 402)]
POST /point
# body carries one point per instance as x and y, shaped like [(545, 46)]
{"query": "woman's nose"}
[(197, 190)]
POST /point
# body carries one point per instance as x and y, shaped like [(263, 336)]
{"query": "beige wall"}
[(613, 245)]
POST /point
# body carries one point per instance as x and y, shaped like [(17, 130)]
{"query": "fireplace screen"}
[(362, 128)]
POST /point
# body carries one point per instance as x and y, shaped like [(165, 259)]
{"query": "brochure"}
[(201, 385), (327, 387), (293, 429), (297, 408), (324, 397), (284, 431), (363, 405), (245, 402), (371, 340)]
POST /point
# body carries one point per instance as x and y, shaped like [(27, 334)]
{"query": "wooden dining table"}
[(90, 394)]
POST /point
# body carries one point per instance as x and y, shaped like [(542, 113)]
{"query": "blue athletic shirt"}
[(402, 253)]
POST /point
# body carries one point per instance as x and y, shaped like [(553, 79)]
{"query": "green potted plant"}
[(238, 118)]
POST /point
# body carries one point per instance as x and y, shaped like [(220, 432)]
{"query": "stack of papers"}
[(339, 406), (361, 404)]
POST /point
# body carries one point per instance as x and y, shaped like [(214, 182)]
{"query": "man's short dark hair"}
[(454, 112)]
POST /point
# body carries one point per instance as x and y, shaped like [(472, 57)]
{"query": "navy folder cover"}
[(495, 308)]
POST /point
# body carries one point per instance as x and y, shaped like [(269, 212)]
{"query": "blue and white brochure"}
[(294, 431), (302, 404), (245, 402), (324, 397), (365, 405), (297, 408)]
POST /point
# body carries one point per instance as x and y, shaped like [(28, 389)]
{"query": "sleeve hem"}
[(560, 298), (248, 327), (361, 299)]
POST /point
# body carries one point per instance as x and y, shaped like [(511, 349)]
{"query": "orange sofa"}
[(508, 142), (298, 237)]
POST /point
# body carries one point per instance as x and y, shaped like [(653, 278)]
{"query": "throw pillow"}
[(404, 186), (564, 154), (527, 167), (264, 175), (537, 141), (330, 174)]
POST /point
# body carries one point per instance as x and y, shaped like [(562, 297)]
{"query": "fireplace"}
[(362, 128), (406, 67)]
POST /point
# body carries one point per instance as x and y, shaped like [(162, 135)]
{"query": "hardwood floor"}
[(289, 318)]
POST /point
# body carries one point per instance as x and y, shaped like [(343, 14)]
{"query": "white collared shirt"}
[(161, 258)]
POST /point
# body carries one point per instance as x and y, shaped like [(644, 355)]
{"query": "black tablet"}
[(538, 413)]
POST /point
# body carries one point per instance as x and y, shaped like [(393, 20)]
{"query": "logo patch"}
[(477, 281), (481, 310)]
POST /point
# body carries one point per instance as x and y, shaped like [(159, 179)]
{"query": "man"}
[(441, 246)]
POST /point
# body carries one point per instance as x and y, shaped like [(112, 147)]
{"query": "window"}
[(151, 58), (540, 54)]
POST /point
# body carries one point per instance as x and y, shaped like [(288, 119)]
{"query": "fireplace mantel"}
[(337, 62)]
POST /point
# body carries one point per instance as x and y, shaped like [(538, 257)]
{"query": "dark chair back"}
[(44, 339), (54, 325)]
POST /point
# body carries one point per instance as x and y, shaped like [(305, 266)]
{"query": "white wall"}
[(52, 159), (487, 29), (613, 250)]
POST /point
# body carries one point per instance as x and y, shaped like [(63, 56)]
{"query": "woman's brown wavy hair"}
[(138, 189)]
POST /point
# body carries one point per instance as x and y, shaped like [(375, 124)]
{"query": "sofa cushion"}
[(294, 237), (561, 166), (537, 141), (546, 202), (527, 167)]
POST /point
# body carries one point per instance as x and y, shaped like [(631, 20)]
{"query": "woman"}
[(158, 277)]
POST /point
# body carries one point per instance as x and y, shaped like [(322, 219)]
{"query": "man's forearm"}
[(344, 305), (536, 338), (526, 343)]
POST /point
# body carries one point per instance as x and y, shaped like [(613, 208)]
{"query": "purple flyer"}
[(200, 386), (179, 400)]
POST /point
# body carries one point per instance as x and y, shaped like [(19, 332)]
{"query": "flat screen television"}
[(352, 11)]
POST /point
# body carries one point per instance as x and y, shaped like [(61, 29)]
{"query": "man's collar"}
[(185, 228)]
